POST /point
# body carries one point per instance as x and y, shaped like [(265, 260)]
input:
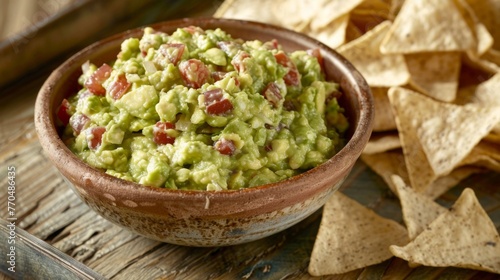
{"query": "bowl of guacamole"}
[(205, 131)]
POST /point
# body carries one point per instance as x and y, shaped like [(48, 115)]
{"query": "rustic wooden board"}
[(47, 209)]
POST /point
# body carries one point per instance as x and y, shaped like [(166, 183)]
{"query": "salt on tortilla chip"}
[(383, 118), (435, 73), (327, 11), (332, 35), (488, 12), (382, 142), (418, 210), (378, 69), (352, 236), (446, 132), (420, 172), (428, 25), (463, 237)]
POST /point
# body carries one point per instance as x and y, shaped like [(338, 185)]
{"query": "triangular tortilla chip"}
[(381, 142), (332, 35), (352, 236), (435, 73), (464, 237), (392, 163), (376, 68), (446, 132), (445, 183), (384, 118), (484, 40), (418, 210), (419, 169), (488, 92), (327, 11), (239, 9), (428, 25), (488, 12)]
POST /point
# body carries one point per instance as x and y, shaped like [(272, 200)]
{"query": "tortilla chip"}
[(446, 132), (352, 32), (239, 9), (444, 183), (332, 35), (352, 236), (420, 171), (463, 237), (473, 60), (488, 92), (378, 70), (302, 14), (484, 40), (428, 26), (485, 154), (435, 73), (370, 8), (488, 12), (387, 164), (418, 210), (327, 11), (391, 163), (384, 118), (382, 142)]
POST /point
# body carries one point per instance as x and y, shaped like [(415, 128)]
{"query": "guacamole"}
[(198, 109)]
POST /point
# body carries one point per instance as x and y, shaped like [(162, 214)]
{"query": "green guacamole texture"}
[(200, 110)]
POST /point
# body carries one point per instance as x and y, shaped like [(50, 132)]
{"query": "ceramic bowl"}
[(206, 218)]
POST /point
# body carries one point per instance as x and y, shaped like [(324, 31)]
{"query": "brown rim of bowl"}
[(93, 178)]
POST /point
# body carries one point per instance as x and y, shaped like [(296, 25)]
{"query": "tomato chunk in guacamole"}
[(198, 109)]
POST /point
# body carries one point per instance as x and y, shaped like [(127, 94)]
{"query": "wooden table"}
[(60, 237)]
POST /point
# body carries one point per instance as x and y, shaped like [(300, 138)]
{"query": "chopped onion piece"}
[(149, 66)]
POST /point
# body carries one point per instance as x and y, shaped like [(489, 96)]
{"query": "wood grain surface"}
[(47, 208)]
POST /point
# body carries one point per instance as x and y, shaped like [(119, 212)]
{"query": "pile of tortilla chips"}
[(434, 70)]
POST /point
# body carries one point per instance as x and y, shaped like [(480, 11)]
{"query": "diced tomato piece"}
[(225, 146), (160, 135), (64, 112), (94, 137), (317, 53), (216, 103), (119, 87), (272, 45), (272, 93), (218, 75), (173, 52), (237, 61), (78, 122), (94, 82), (292, 77), (194, 72), (220, 107)]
